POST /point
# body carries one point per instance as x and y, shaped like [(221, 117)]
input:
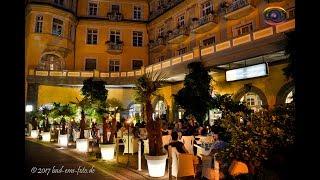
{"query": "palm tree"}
[(114, 107), (146, 87), (64, 112)]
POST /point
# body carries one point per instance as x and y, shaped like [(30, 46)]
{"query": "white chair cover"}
[(188, 143), (119, 134), (166, 139), (133, 144), (182, 164), (76, 135)]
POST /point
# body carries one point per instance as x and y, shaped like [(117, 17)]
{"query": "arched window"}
[(51, 62), (135, 110), (160, 109), (252, 100)]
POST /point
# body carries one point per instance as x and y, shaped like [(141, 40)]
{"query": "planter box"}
[(107, 151), (46, 136), (63, 140), (156, 165), (34, 133), (82, 145)]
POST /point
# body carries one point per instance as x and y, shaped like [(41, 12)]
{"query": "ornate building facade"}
[(67, 41)]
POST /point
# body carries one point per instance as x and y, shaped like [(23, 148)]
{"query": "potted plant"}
[(34, 115), (107, 148), (46, 135), (64, 113), (146, 87), (95, 95)]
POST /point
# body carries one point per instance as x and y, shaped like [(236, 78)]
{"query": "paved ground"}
[(39, 158), (44, 154)]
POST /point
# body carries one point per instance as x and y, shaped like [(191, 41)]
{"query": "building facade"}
[(68, 41)]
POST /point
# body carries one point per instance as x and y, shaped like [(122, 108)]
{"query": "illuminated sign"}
[(247, 72), (274, 15)]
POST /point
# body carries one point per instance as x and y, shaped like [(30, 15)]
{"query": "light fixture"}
[(29, 108)]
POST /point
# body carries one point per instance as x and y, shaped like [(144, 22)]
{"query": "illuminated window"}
[(92, 36), (136, 64), (114, 66), (115, 36), (160, 109), (207, 8), (136, 13), (209, 41), (182, 51), (137, 38), (39, 23), (135, 110), (181, 21), (289, 97), (90, 64), (244, 29), (93, 9), (252, 100), (57, 26)]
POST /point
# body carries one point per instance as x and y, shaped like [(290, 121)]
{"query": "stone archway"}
[(51, 61), (249, 88), (283, 92), (156, 101)]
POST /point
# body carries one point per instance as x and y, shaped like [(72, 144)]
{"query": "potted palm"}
[(64, 113), (34, 115), (95, 95), (46, 135), (107, 148), (146, 87)]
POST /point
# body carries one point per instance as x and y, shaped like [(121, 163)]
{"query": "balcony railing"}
[(238, 4), (114, 16), (204, 20), (160, 41), (178, 34), (116, 47), (163, 8)]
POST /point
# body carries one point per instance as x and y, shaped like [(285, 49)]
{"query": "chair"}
[(133, 144), (188, 143), (182, 164), (119, 134), (166, 140), (207, 170), (86, 134), (146, 146)]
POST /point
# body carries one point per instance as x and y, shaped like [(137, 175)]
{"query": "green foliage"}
[(195, 97), (146, 86), (63, 111), (258, 136), (114, 106), (94, 90)]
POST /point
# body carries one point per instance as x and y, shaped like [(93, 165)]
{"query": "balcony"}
[(204, 24), (114, 47), (238, 9), (178, 35), (157, 45), (114, 16), (163, 8)]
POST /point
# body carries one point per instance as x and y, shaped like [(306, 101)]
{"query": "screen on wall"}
[(257, 70)]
